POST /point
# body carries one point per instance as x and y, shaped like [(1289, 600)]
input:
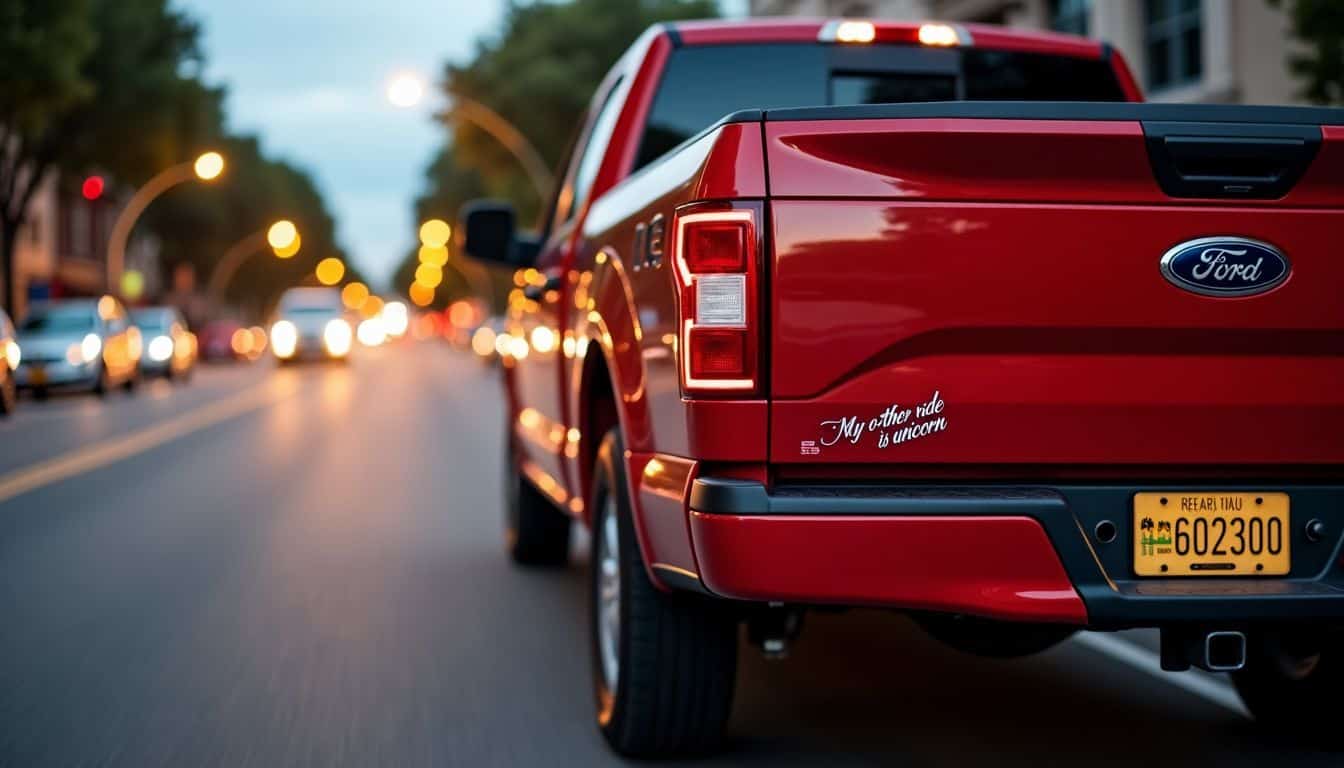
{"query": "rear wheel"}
[(102, 383), (536, 533), (1292, 681), (663, 663)]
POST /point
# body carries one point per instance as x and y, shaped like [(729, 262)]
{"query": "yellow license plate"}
[(1211, 534), (37, 375)]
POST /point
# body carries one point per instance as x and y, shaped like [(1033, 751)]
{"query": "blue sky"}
[(309, 77)]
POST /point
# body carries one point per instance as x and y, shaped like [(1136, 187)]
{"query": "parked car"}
[(10, 355), (311, 325), (78, 344), (170, 349), (1029, 358)]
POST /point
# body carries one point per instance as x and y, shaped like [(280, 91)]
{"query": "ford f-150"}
[(936, 318)]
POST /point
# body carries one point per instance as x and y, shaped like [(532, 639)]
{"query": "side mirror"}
[(490, 234)]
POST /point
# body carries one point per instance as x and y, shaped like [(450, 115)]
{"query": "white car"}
[(311, 325)]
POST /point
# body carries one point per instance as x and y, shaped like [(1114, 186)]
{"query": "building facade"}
[(1231, 51), (61, 249)]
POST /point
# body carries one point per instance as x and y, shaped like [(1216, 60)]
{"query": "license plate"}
[(1203, 533), (37, 375)]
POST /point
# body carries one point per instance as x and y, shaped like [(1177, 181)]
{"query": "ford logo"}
[(1225, 266)]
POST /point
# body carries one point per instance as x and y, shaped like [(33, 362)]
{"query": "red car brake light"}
[(715, 266)]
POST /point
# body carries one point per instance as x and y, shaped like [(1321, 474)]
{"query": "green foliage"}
[(538, 74), (1320, 24), (112, 86)]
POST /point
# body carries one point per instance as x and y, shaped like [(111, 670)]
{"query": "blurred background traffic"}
[(203, 192)]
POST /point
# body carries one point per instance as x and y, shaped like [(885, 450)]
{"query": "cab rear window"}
[(701, 84)]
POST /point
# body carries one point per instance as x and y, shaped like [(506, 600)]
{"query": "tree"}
[(43, 44), (1320, 24), (540, 73), (102, 83)]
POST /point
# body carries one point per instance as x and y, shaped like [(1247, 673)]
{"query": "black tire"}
[(101, 384), (677, 651), (1292, 683), (535, 532), (130, 384)]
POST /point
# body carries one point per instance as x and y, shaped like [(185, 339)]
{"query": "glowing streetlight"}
[(207, 167), (282, 234), (405, 89), (435, 233), (421, 295)]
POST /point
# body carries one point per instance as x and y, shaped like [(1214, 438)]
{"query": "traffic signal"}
[(93, 188)]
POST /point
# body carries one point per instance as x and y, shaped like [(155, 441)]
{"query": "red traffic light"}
[(93, 188)]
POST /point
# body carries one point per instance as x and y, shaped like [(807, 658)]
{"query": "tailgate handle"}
[(1229, 160)]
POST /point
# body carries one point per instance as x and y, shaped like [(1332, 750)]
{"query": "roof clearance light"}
[(938, 34), (855, 32)]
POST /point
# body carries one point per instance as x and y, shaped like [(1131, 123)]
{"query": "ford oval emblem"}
[(1225, 266)]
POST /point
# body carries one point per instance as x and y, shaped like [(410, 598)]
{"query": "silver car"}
[(311, 325), (78, 344)]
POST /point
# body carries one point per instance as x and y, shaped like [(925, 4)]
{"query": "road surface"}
[(303, 566)]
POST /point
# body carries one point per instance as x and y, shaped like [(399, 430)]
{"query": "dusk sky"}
[(309, 77)]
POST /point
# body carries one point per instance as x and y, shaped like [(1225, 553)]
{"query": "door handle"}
[(535, 292)]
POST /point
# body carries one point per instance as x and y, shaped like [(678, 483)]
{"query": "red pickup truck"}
[(934, 318)]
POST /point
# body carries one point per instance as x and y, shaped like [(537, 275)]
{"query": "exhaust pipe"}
[(1223, 651), (1213, 651)]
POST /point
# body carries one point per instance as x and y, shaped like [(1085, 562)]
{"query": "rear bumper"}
[(1005, 552)]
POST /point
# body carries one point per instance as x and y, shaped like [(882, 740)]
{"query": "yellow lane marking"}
[(115, 449)]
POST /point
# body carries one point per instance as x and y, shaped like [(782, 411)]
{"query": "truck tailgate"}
[(953, 287)]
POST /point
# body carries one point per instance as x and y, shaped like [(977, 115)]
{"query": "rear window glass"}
[(702, 84), (58, 320)]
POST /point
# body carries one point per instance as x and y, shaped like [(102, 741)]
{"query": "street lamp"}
[(507, 134), (207, 167), (282, 238)]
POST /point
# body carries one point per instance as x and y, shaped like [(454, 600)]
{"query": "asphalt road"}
[(303, 567)]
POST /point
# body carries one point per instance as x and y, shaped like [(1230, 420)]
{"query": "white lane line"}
[(1199, 683), (107, 452)]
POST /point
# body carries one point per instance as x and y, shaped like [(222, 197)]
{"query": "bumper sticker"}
[(893, 426)]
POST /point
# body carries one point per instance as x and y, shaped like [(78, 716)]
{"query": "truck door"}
[(543, 316)]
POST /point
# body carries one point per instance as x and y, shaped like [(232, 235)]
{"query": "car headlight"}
[(284, 339), (336, 336), (12, 354), (86, 351), (160, 348)]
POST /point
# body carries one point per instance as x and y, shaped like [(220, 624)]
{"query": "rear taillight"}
[(715, 266)]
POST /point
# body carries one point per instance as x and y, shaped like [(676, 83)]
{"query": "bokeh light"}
[(405, 89), (330, 271), (282, 234), (353, 295), (371, 307), (436, 255), (435, 233), (132, 284), (421, 294), (396, 318), (209, 165), (428, 275)]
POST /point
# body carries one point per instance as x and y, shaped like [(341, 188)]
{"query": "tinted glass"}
[(1004, 76), (595, 148), (58, 320), (702, 84), (887, 88)]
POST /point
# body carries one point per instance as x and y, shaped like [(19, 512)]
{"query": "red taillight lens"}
[(718, 354), (717, 248), (715, 265)]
